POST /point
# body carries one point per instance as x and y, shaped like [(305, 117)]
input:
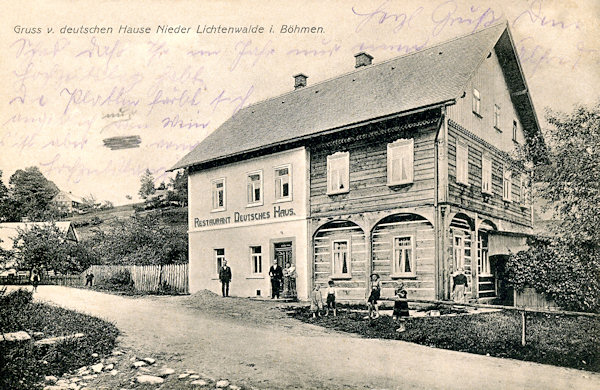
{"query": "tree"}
[(141, 240), (90, 202), (147, 184), (567, 266), (179, 192), (30, 195)]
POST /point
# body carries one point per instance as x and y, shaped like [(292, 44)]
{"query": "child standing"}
[(401, 308), (374, 296), (331, 299), (316, 301)]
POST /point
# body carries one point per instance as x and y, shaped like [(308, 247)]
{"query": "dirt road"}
[(253, 343)]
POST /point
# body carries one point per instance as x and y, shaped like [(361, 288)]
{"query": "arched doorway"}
[(404, 253), (339, 254), (461, 232)]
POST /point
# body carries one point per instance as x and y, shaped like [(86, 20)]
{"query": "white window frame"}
[(252, 202), (497, 117), (476, 102), (343, 179), (279, 184), (462, 162), (484, 265), (219, 258), (404, 151), (486, 174), (214, 190), (348, 258), (413, 263), (507, 185), (256, 263), (515, 130)]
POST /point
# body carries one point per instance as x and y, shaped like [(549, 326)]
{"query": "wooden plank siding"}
[(471, 197), (420, 286), (354, 286), (368, 190)]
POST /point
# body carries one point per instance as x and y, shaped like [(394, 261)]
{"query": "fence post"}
[(523, 327)]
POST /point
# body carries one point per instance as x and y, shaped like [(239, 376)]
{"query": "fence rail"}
[(149, 278), (60, 280)]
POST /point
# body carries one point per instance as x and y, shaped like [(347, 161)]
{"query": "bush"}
[(22, 365), (559, 271), (119, 280)]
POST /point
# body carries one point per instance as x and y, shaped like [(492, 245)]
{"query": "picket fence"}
[(149, 278)]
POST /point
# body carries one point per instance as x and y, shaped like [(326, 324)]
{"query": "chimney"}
[(363, 59), (300, 80)]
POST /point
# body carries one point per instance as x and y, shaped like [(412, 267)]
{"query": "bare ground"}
[(254, 344)]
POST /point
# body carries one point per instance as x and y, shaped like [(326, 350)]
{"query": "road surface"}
[(190, 333)]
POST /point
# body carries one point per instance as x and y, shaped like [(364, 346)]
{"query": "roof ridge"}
[(363, 68)]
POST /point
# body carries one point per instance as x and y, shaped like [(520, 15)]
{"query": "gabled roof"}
[(10, 230), (432, 76), (69, 196)]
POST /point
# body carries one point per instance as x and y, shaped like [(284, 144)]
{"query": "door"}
[(283, 256)]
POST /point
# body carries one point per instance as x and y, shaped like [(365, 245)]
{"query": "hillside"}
[(85, 224)]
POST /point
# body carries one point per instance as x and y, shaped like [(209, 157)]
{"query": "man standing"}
[(225, 278), (89, 279), (276, 274)]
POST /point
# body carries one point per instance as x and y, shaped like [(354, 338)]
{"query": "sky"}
[(79, 77)]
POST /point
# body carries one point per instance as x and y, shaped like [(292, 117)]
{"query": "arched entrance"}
[(462, 233), (339, 254), (404, 252)]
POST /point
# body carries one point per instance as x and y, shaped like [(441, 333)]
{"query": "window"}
[(219, 257), (254, 188), (462, 163), (486, 174), (400, 160), (484, 259), (341, 258), (515, 129), (507, 185), (338, 173), (496, 117), (283, 183), (218, 194), (256, 259), (476, 102), (404, 256)]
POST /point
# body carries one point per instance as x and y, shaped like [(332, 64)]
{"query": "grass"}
[(23, 365), (551, 339)]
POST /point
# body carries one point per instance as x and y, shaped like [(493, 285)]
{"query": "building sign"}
[(238, 217)]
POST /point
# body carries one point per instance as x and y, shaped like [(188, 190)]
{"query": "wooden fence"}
[(532, 299), (151, 278), (60, 280)]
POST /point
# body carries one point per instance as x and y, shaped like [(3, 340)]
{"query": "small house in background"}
[(402, 168), (68, 203)]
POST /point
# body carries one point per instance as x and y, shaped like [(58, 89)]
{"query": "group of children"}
[(400, 301)]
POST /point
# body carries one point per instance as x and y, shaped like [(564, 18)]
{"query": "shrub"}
[(22, 365), (120, 280), (559, 271)]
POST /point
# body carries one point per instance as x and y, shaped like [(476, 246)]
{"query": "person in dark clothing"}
[(225, 278), (276, 274), (35, 280), (460, 286), (89, 279)]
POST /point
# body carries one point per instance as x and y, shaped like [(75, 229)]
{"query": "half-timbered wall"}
[(421, 285), (368, 170), (470, 196)]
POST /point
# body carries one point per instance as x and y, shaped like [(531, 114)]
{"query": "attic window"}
[(476, 102)]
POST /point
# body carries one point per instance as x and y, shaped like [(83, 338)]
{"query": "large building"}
[(403, 168)]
